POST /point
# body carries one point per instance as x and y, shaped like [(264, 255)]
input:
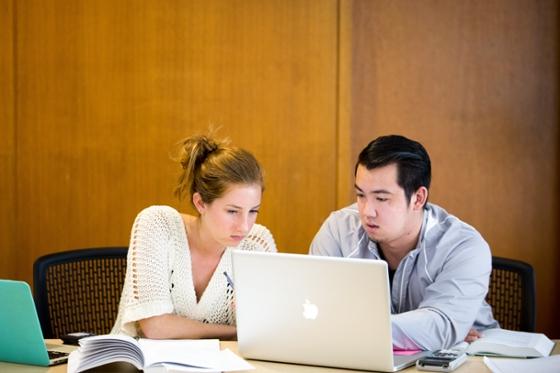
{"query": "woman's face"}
[(229, 219)]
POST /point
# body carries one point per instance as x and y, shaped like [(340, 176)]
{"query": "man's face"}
[(384, 212)]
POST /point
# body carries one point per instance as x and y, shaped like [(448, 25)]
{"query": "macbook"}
[(21, 338), (315, 310)]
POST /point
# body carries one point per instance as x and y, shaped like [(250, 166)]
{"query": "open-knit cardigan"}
[(159, 274)]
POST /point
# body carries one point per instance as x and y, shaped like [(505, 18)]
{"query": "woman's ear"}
[(420, 198), (198, 203)]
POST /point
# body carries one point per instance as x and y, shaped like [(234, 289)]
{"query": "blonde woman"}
[(179, 266)]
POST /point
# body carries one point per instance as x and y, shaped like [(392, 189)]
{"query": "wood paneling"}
[(345, 156), (477, 83), (7, 143), (106, 88)]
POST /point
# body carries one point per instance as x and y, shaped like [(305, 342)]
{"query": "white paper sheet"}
[(549, 364), (215, 361)]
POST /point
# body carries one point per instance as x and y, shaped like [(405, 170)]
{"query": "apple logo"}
[(310, 310)]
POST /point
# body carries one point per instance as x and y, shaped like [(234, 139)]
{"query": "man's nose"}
[(370, 209)]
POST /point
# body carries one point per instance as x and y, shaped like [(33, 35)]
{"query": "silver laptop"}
[(315, 310), (21, 339)]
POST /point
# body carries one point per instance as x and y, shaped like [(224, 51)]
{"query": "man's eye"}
[(381, 199), (232, 212)]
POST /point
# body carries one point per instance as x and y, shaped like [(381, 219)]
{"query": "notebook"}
[(315, 310), (21, 338)]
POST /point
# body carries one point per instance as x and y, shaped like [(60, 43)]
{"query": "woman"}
[(179, 266)]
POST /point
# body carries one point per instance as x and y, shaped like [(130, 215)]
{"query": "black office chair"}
[(512, 294), (79, 290)]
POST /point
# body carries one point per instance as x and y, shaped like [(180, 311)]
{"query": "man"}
[(439, 266)]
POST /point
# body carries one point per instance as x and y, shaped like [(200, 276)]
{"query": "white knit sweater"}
[(159, 276)]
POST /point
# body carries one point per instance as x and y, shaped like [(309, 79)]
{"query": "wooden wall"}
[(477, 83), (104, 89), (7, 143), (94, 94)]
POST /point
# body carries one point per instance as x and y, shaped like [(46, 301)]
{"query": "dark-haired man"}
[(439, 266)]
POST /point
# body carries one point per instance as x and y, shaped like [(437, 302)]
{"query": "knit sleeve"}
[(146, 289), (259, 239)]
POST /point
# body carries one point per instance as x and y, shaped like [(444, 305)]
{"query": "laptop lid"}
[(21, 339), (314, 310)]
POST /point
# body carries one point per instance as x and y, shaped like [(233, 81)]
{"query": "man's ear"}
[(419, 198), (198, 203)]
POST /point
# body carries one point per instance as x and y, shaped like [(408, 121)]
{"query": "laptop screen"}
[(313, 310), (21, 339)]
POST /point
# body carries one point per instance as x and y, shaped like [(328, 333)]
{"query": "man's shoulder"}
[(453, 245), (339, 234), (446, 227), (346, 214), (345, 221)]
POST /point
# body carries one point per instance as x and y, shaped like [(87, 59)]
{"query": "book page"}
[(510, 338), (180, 351), (220, 361)]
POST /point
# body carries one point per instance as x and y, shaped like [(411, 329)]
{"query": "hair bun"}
[(207, 146), (195, 150)]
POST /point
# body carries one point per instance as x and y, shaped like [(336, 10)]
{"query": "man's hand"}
[(472, 336)]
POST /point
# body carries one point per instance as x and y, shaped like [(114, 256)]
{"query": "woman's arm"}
[(170, 326)]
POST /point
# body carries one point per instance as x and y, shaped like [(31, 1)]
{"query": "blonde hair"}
[(210, 166)]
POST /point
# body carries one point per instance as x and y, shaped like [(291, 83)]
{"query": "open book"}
[(502, 342), (155, 355)]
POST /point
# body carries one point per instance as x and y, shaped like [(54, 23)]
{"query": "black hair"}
[(414, 168)]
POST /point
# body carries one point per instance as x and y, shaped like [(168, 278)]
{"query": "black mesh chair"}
[(79, 290), (512, 294)]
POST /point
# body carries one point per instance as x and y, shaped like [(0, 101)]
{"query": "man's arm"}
[(451, 303)]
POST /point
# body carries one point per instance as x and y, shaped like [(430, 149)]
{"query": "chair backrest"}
[(512, 294), (79, 290)]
